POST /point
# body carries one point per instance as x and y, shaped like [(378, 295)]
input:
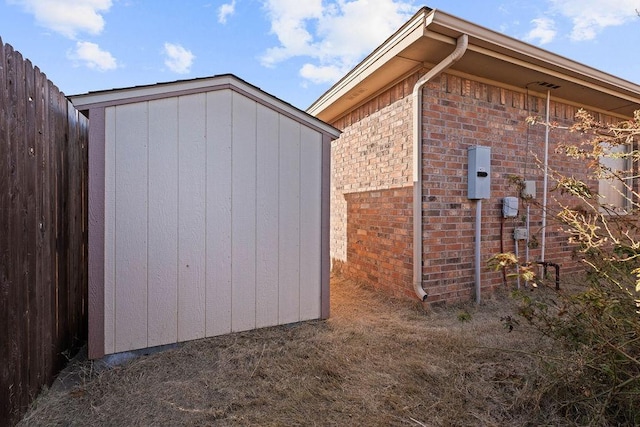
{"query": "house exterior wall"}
[(379, 236), (213, 207), (373, 153), (457, 113)]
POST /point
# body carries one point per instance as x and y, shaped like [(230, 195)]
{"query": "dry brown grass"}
[(377, 361)]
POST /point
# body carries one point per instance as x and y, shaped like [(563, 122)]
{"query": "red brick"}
[(371, 218)]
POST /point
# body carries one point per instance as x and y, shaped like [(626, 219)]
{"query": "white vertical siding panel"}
[(243, 181), (191, 216), (163, 221), (212, 219), (218, 231), (267, 218), (109, 230), (131, 227), (289, 221), (310, 223)]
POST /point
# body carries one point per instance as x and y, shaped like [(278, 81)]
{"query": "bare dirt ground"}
[(377, 361)]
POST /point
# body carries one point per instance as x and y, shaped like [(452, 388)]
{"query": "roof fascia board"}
[(110, 101), (148, 93), (626, 86), (413, 30), (560, 75), (446, 28), (553, 60), (161, 90)]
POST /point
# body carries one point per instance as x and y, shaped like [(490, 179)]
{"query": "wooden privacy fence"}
[(43, 223)]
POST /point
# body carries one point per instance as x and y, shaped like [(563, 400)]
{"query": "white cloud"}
[(93, 57), (178, 59), (289, 20), (321, 74), (543, 31), (226, 10), (68, 17), (333, 35), (589, 17)]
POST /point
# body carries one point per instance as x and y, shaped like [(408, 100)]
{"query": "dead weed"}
[(376, 361)]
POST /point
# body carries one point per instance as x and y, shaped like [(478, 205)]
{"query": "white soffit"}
[(381, 58), (430, 36)]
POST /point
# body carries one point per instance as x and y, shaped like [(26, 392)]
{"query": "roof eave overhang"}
[(398, 56), (407, 35)]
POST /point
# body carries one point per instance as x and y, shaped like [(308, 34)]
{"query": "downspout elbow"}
[(462, 44), (461, 47)]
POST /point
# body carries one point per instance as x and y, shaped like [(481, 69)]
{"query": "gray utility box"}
[(479, 174)]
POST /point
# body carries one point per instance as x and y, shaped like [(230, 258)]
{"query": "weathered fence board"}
[(43, 223), (4, 235)]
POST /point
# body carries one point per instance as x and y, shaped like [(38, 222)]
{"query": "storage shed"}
[(209, 212)]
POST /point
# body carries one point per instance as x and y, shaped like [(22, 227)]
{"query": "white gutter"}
[(461, 48)]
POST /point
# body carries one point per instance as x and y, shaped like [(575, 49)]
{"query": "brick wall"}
[(372, 165), (379, 237), (460, 113), (373, 153)]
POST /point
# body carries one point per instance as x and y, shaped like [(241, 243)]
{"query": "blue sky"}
[(293, 49)]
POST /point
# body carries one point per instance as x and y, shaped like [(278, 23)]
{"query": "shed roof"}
[(430, 35), (111, 97)]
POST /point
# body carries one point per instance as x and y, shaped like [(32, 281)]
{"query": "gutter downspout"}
[(461, 48)]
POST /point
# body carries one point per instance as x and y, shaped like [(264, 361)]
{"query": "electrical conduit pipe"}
[(477, 239), (546, 180), (461, 47)]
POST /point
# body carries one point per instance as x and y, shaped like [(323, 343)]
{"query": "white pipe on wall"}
[(478, 237), (526, 245), (517, 242), (461, 47), (546, 180)]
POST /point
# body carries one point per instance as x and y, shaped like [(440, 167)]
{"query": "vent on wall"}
[(356, 93), (548, 85)]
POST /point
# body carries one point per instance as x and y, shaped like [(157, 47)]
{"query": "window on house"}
[(612, 191)]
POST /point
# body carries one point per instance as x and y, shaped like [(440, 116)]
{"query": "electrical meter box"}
[(529, 190), (520, 233), (509, 207), (479, 174)]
